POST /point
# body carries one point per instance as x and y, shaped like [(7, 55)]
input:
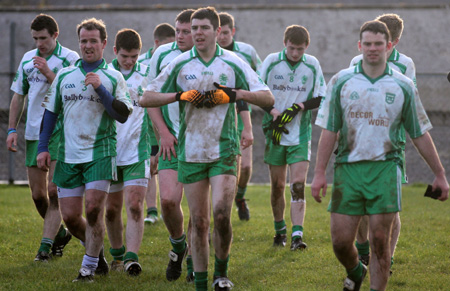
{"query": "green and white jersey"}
[(145, 58), (207, 134), (369, 114), (88, 132), (161, 58), (398, 62), (29, 81), (293, 84), (248, 53), (133, 144)]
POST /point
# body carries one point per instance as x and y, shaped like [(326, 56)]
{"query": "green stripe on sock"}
[(178, 244), (201, 281), (280, 227), (117, 254), (241, 192), (363, 249), (190, 264), (355, 273), (130, 256), (152, 210), (221, 267), (46, 245)]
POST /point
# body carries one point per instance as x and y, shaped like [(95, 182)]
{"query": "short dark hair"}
[(185, 16), (163, 31), (207, 13), (44, 21), (128, 39), (296, 34), (394, 23), (226, 19), (375, 26), (93, 24)]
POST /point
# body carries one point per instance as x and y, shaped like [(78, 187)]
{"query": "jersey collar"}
[(359, 70), (394, 57), (194, 54), (56, 51), (148, 54), (282, 57), (135, 68), (103, 65)]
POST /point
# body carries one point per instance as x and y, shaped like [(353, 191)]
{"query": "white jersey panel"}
[(369, 113), (89, 132), (248, 53), (132, 136), (293, 84), (206, 134), (29, 81)]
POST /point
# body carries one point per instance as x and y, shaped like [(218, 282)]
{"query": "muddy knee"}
[(298, 192)]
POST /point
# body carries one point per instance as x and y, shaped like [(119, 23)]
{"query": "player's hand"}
[(441, 183), (290, 113), (92, 79), (319, 183), (167, 146), (222, 95), (41, 64), (246, 138), (11, 142), (277, 132), (192, 96), (44, 161)]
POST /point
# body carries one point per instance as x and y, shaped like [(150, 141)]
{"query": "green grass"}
[(421, 261)]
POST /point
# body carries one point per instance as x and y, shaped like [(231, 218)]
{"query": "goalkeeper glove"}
[(192, 96), (220, 96), (290, 113), (277, 129)]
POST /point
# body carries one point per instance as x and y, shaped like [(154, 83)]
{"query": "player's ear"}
[(55, 35), (233, 31), (359, 45)]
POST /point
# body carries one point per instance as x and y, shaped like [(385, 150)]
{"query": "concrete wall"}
[(334, 35)]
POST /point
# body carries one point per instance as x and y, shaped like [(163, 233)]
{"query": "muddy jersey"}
[(133, 144), (398, 62), (369, 114), (293, 84), (161, 58), (88, 132), (29, 81), (207, 134)]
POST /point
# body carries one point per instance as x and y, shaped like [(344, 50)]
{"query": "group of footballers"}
[(181, 111)]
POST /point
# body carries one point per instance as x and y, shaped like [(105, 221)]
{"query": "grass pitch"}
[(421, 259)]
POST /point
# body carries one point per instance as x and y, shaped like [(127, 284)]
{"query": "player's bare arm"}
[(324, 151), (247, 133), (15, 112), (156, 99), (427, 150), (261, 98), (167, 140), (41, 64)]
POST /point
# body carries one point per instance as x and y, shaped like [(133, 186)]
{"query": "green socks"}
[(221, 267), (190, 264), (363, 249), (61, 232), (241, 192), (355, 273), (130, 256), (152, 210), (178, 244), (280, 227), (297, 231), (201, 281), (117, 254), (46, 245)]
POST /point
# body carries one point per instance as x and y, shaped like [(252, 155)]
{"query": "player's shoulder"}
[(400, 78), (28, 56), (66, 52), (165, 48), (344, 75), (243, 46), (356, 60), (310, 59), (141, 69), (404, 59)]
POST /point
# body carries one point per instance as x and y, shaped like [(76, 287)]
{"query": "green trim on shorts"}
[(365, 188), (70, 176), (193, 172), (139, 170), (31, 147), (168, 165), (280, 155)]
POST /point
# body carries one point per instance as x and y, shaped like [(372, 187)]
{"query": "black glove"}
[(290, 113), (277, 130)]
